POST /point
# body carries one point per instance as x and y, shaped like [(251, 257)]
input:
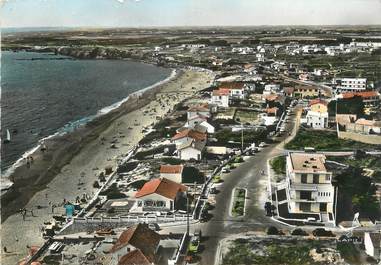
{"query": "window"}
[(160, 204), (327, 177), (305, 207), (316, 179), (323, 207), (303, 178)]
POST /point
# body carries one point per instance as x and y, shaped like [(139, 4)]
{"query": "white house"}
[(196, 121), (350, 84), (317, 116), (192, 149), (372, 244), (221, 97), (172, 172), (136, 245), (309, 186), (271, 89), (159, 195), (260, 57)]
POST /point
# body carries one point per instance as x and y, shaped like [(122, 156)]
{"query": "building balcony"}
[(302, 186)]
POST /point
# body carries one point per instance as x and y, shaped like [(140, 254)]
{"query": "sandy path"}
[(16, 233)]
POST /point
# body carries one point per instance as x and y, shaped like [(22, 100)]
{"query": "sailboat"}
[(8, 139)]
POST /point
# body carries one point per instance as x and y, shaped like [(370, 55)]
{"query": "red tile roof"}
[(135, 257), (272, 110), (221, 92), (141, 237), (365, 94), (200, 108), (231, 85), (198, 116), (365, 122), (191, 134), (318, 101), (163, 187), (271, 97), (171, 169)]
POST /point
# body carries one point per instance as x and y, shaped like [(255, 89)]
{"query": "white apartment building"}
[(351, 84), (309, 186)]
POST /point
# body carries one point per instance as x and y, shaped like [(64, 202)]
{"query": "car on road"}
[(195, 242), (225, 170), (262, 144)]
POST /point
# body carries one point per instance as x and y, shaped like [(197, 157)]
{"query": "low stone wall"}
[(78, 225), (364, 138)]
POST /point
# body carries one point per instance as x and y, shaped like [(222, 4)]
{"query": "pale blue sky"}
[(133, 13)]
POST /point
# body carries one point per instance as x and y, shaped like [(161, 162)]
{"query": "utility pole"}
[(187, 214), (241, 137)]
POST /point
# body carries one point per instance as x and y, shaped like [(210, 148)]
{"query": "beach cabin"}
[(160, 195)]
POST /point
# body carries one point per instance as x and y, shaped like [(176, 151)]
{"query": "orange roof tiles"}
[(200, 107), (191, 134), (318, 101), (365, 122), (133, 258), (141, 237), (272, 110), (171, 169), (365, 94), (221, 92), (163, 187), (231, 85)]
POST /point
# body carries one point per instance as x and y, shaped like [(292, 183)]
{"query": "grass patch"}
[(217, 179), (193, 175), (246, 116), (278, 164), (238, 208), (273, 254), (349, 252), (225, 137), (323, 140)]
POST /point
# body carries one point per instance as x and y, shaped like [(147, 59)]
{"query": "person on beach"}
[(5, 249), (31, 211)]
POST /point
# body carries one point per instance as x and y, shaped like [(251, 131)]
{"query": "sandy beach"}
[(72, 163)]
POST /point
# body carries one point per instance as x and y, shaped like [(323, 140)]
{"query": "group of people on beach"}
[(29, 161), (23, 212)]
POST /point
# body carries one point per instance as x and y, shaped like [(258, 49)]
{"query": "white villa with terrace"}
[(309, 188)]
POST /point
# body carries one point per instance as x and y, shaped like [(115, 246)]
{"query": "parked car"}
[(225, 170), (262, 144), (154, 226)]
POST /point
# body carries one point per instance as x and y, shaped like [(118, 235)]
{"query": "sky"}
[(161, 13)]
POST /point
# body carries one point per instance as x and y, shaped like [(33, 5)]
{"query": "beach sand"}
[(48, 184)]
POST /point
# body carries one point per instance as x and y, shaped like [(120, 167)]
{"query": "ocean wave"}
[(71, 126)]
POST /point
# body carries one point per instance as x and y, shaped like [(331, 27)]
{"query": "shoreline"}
[(6, 174), (119, 108), (73, 162)]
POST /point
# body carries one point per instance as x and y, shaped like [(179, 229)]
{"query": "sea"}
[(45, 94)]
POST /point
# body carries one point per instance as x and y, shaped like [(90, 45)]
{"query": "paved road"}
[(249, 176)]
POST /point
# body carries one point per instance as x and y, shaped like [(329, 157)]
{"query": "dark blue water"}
[(42, 95)]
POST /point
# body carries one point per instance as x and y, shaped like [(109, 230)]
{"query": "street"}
[(248, 175)]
